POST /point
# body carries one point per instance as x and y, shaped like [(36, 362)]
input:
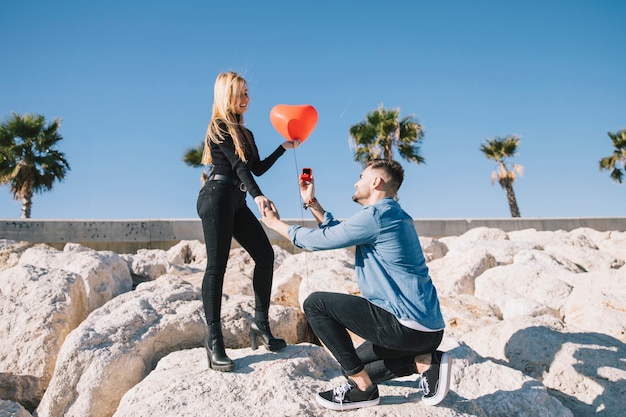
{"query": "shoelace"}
[(340, 392), (423, 384)]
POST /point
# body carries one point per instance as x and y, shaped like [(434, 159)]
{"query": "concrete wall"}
[(127, 236)]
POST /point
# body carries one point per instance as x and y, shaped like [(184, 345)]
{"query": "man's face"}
[(362, 186)]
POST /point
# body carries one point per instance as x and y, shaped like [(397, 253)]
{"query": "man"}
[(398, 315)]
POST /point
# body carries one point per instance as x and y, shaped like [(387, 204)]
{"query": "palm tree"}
[(29, 162), (616, 162), (381, 132), (193, 158), (499, 149)]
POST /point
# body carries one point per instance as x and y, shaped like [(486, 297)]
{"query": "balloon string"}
[(295, 161), (306, 265)]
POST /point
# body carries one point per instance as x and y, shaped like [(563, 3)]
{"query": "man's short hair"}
[(392, 168)]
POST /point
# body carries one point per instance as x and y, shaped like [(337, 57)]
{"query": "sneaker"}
[(435, 382), (348, 396)]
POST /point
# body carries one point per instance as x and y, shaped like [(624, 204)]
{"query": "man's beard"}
[(356, 199)]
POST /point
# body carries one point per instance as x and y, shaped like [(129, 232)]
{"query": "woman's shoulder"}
[(221, 124), (218, 130)]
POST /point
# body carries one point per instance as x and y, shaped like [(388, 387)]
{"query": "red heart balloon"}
[(294, 121)]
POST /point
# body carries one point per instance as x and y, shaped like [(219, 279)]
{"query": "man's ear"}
[(377, 182)]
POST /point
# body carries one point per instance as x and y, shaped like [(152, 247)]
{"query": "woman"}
[(230, 148)]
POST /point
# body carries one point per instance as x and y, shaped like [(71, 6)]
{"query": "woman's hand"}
[(291, 144), (270, 217), (263, 202)]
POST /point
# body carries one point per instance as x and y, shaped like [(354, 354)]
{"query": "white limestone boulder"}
[(464, 313), (119, 344), (615, 244), (148, 264), (238, 275), (597, 303), (10, 252), (579, 248), (539, 237), (494, 241), (105, 274), (305, 272), (328, 271), (187, 252), (38, 308), (456, 272), (285, 384), (540, 290), (432, 248), (238, 311)]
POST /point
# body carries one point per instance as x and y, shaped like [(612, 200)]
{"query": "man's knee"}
[(311, 302)]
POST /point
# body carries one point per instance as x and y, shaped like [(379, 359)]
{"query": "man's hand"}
[(307, 189), (271, 219), (270, 216)]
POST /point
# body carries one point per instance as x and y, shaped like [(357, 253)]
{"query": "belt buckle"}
[(242, 187)]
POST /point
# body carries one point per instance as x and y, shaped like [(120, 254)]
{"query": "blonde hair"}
[(226, 96)]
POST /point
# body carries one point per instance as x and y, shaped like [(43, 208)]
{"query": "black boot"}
[(260, 328), (215, 351)]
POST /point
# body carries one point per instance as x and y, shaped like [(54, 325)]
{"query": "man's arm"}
[(307, 192), (316, 209), (272, 220)]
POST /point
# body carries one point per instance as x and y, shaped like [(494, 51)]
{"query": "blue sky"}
[(133, 83)]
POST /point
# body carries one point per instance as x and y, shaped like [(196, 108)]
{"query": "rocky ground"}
[(535, 322)]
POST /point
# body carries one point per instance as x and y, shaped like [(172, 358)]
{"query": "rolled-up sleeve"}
[(362, 228)]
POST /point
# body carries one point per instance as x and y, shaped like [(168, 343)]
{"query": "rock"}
[(535, 321), (39, 308), (465, 313), (456, 273), (104, 273), (119, 344), (432, 248), (12, 409), (10, 252), (540, 290), (301, 274), (596, 303), (285, 384)]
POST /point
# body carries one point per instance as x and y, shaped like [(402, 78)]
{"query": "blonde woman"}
[(230, 149)]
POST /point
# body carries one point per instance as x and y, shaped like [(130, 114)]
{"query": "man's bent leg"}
[(329, 315)]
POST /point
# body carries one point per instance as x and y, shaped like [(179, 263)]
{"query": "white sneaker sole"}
[(345, 406), (443, 385)]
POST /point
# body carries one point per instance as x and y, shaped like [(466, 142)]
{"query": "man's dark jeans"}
[(390, 347)]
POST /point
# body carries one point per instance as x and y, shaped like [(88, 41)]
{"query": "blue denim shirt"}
[(390, 267)]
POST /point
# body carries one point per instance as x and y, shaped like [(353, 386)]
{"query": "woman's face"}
[(241, 102)]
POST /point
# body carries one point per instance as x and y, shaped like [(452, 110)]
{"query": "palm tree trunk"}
[(27, 204), (388, 152), (510, 196)]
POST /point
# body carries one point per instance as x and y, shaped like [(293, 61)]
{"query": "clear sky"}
[(133, 83)]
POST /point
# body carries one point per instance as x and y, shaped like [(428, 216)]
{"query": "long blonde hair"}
[(226, 95)]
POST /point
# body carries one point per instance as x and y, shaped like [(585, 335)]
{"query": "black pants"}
[(225, 215), (390, 348)]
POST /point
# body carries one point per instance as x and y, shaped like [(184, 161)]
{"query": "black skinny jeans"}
[(390, 348), (225, 215)]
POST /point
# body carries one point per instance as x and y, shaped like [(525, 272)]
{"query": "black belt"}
[(228, 180)]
